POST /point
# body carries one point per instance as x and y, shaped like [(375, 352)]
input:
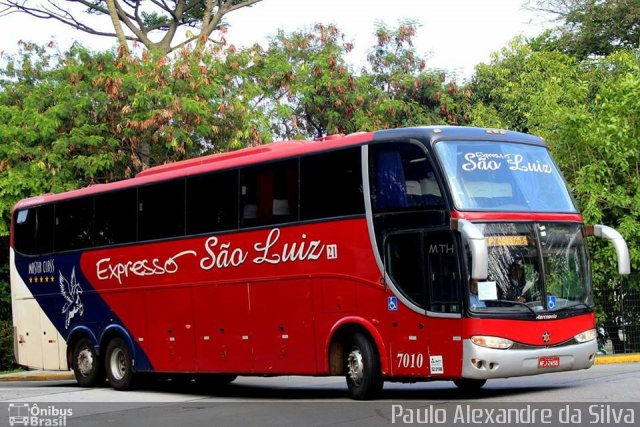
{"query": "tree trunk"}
[(113, 13)]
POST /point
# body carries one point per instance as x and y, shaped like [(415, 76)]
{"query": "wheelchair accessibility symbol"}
[(551, 302), (392, 303)]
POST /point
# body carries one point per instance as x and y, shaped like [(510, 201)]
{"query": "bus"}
[(411, 254)]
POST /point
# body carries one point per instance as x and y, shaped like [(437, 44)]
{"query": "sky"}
[(455, 35)]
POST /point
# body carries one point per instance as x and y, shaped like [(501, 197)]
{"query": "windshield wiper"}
[(579, 304), (517, 303)]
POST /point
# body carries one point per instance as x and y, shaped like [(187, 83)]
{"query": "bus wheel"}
[(118, 364), (467, 384), (86, 364), (363, 368)]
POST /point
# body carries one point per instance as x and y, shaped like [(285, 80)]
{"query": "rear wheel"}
[(467, 384), (118, 364), (362, 363), (86, 365)]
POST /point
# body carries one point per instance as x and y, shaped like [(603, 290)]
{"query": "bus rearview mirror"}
[(477, 245), (618, 242)]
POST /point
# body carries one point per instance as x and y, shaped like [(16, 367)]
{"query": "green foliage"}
[(310, 91), (77, 118), (591, 27), (7, 361)]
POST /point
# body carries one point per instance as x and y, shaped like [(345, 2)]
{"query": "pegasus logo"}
[(71, 291)]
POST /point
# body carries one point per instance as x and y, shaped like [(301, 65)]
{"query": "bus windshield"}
[(496, 176), (534, 267)]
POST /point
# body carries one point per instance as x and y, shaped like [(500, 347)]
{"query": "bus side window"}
[(404, 262), (115, 217), (442, 265), (161, 210), (401, 177), (44, 230), (212, 202), (25, 231), (74, 224), (269, 194), (390, 181), (331, 184)]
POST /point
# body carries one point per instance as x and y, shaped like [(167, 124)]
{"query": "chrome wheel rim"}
[(355, 366), (85, 361), (118, 364)]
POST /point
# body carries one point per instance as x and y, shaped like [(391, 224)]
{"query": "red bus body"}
[(280, 299)]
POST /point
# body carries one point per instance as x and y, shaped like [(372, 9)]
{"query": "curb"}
[(45, 376), (617, 358)]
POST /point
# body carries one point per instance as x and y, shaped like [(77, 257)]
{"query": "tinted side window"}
[(74, 224), (44, 230), (404, 261), (269, 193), (401, 177), (212, 202), (442, 262), (161, 210), (24, 229), (115, 218), (331, 184)]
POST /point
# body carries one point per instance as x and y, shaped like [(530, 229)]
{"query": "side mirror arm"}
[(616, 239)]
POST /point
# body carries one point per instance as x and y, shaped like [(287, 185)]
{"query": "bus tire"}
[(362, 366), (118, 364), (467, 384), (87, 367)]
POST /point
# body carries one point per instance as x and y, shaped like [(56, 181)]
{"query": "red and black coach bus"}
[(427, 253)]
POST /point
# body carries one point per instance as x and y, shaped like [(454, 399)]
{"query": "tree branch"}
[(127, 13)]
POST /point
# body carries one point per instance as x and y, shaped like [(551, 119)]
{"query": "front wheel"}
[(364, 378), (467, 384), (118, 365), (86, 364)]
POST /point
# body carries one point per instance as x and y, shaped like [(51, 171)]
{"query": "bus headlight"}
[(491, 342), (586, 336)]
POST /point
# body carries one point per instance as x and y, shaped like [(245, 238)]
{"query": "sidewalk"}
[(68, 375)]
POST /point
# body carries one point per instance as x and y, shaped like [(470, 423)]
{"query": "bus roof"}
[(282, 150)]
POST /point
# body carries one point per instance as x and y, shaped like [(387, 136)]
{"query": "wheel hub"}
[(118, 364), (355, 366), (85, 361)]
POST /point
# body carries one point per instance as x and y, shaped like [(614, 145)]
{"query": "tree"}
[(592, 27), (73, 119), (311, 91), (141, 18), (409, 93)]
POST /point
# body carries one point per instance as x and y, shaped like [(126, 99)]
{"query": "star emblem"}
[(546, 337)]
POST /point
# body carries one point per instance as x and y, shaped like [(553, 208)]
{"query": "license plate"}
[(549, 362)]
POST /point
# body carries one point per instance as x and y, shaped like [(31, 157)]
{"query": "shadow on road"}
[(280, 390)]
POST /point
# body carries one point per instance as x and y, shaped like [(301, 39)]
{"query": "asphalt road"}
[(294, 401)]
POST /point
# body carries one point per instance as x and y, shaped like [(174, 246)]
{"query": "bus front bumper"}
[(485, 363)]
